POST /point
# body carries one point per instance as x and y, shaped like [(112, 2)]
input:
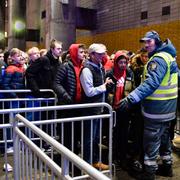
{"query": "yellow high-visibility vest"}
[(168, 88)]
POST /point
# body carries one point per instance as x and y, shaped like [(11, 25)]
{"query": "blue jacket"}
[(13, 79), (152, 82)]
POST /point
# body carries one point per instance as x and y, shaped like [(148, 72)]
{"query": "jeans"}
[(33, 116), (95, 140)]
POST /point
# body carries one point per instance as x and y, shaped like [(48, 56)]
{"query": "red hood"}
[(117, 72), (107, 63), (73, 50), (104, 60)]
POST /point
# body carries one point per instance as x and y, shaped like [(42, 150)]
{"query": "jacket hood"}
[(168, 47), (123, 53), (105, 59), (73, 51), (120, 53)]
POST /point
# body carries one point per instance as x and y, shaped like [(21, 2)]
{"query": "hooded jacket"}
[(67, 83), (107, 63), (115, 74), (157, 69)]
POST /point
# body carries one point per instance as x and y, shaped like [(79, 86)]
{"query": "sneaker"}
[(10, 150), (136, 166), (135, 169), (7, 167), (100, 166)]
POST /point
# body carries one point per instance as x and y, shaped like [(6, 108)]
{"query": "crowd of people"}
[(141, 87)]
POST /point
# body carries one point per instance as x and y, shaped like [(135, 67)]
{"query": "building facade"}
[(118, 24)]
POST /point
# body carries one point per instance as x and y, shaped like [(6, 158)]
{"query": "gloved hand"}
[(67, 99), (124, 104)]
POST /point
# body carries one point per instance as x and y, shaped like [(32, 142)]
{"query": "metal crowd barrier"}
[(26, 100), (68, 163)]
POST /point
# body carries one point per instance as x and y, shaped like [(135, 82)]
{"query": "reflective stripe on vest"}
[(159, 116), (168, 88)]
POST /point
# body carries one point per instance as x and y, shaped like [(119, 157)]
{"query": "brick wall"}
[(120, 25)]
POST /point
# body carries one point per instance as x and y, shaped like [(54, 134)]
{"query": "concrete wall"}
[(2, 25), (60, 22), (32, 19), (16, 12)]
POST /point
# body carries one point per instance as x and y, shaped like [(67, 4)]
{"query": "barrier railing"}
[(108, 117), (35, 152), (26, 100)]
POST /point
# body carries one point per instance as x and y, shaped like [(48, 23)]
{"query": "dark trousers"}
[(156, 141), (65, 130), (135, 145), (120, 136)]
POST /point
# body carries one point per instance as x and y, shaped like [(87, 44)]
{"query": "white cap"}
[(98, 48)]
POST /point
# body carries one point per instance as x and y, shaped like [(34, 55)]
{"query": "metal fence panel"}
[(36, 165)]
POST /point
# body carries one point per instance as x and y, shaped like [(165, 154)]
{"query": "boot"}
[(165, 170), (135, 169), (145, 176)]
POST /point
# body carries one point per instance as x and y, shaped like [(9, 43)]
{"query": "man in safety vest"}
[(158, 94)]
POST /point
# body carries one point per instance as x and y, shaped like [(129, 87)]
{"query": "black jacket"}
[(41, 73), (65, 83)]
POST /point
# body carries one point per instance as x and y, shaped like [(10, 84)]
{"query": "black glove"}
[(125, 104), (67, 99)]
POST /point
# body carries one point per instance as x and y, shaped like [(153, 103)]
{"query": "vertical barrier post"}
[(110, 142), (65, 166), (16, 148)]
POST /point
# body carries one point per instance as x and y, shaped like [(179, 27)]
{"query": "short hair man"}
[(41, 74), (33, 54), (1, 55), (68, 89)]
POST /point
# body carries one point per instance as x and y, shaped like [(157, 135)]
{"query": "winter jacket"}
[(66, 82), (13, 79), (97, 92), (111, 88), (156, 70), (41, 73)]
